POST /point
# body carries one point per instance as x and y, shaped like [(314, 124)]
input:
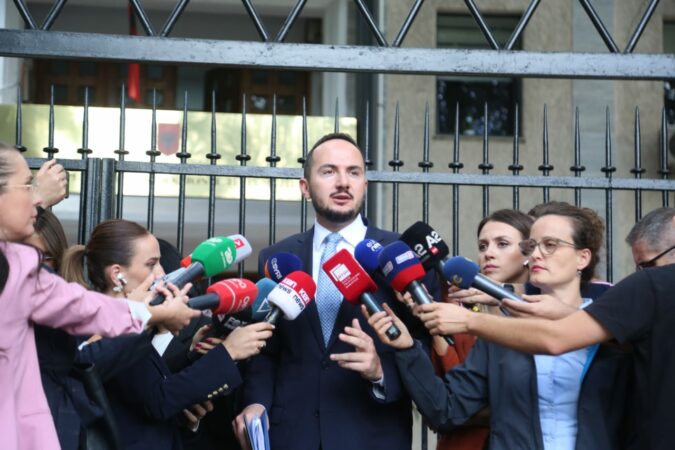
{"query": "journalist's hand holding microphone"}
[(381, 322), (247, 341), (470, 296), (174, 313), (241, 343), (542, 306), (444, 318)]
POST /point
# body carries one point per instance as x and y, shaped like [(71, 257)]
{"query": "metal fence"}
[(102, 189), (103, 179)]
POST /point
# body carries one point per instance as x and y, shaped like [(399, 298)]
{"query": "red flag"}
[(134, 72), (168, 138)]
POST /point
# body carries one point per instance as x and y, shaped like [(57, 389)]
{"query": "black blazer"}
[(312, 402), (506, 381), (147, 399)]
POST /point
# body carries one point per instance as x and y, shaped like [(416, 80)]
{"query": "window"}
[(259, 87), (104, 80), (501, 94), (669, 85)]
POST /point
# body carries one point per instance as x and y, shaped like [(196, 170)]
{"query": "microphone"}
[(354, 284), (290, 296), (261, 307), (428, 245), (226, 296), (464, 274), (170, 277), (281, 264), (403, 272), (223, 324), (366, 253), (241, 245), (211, 257)]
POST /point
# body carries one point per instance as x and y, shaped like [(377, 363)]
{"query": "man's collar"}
[(352, 233)]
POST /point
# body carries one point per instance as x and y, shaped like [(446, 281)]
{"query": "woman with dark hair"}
[(49, 238), (500, 259), (572, 401), (146, 398), (30, 296)]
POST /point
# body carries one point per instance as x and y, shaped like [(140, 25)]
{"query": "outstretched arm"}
[(554, 337)]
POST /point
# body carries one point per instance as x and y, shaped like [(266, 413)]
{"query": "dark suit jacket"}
[(312, 402), (148, 400)]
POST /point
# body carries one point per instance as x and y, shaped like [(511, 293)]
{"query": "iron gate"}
[(103, 178)]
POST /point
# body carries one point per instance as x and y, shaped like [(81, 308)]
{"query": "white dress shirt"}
[(352, 234)]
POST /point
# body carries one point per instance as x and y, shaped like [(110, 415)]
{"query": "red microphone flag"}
[(348, 276)]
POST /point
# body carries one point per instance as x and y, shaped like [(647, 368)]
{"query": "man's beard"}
[(336, 216)]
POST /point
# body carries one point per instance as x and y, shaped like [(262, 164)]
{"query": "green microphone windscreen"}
[(215, 254)]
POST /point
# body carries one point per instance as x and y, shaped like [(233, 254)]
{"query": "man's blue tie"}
[(328, 298)]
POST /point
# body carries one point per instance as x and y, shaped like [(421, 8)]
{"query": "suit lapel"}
[(305, 252)]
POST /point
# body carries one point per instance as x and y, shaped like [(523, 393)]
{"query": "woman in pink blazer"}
[(29, 295)]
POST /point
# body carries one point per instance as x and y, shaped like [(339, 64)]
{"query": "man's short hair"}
[(653, 228), (325, 138)]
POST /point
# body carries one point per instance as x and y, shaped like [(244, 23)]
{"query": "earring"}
[(123, 281), (578, 272)]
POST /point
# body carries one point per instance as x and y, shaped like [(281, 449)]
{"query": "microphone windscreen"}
[(426, 243), (281, 264), (215, 255), (242, 247), (261, 306), (186, 261), (460, 271), (293, 294), (399, 265), (348, 276), (366, 253), (235, 295)]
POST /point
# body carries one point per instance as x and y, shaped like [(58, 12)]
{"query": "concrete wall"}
[(555, 26)]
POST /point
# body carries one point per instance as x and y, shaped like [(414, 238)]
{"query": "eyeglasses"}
[(652, 262), (29, 187), (547, 246)]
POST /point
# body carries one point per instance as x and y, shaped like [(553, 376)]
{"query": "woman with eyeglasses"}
[(572, 401), (56, 349), (500, 259), (31, 296)]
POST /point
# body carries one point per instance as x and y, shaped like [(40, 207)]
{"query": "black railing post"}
[(456, 166), (608, 170), (107, 190)]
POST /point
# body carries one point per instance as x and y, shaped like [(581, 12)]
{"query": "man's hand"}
[(51, 183), (365, 359), (239, 423), (542, 306)]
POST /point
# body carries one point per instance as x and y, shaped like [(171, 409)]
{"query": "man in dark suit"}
[(325, 382)]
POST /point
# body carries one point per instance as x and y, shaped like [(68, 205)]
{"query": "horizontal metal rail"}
[(335, 58), (450, 179)]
